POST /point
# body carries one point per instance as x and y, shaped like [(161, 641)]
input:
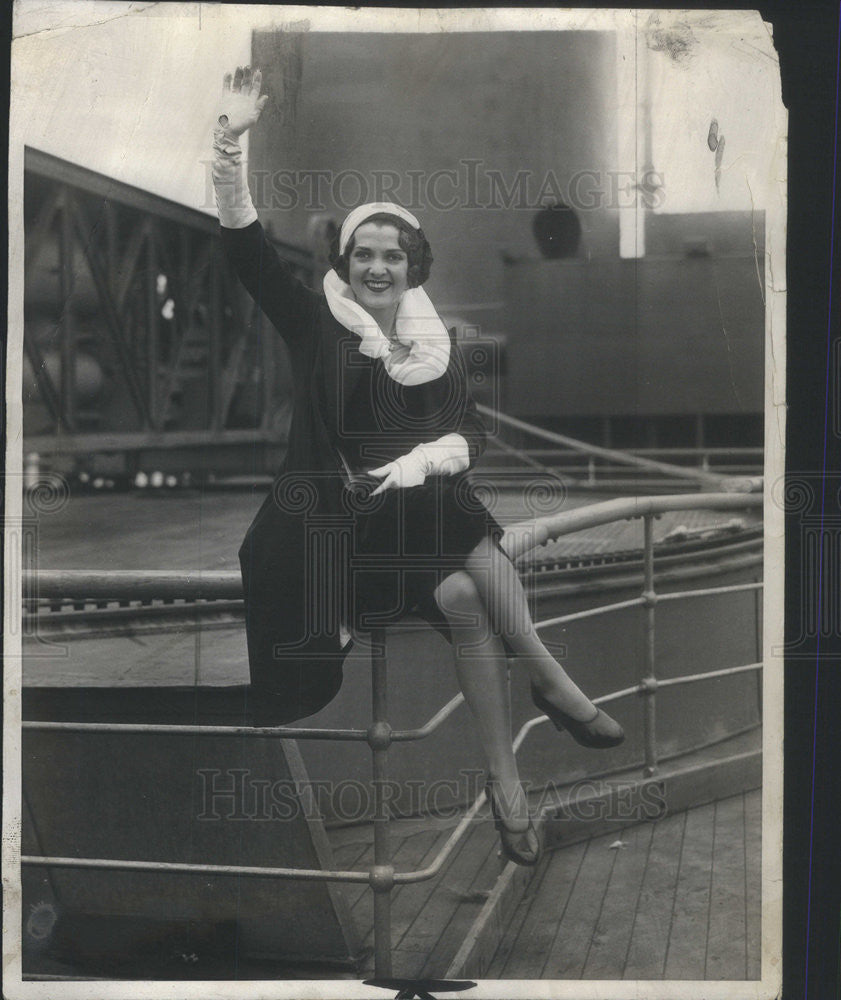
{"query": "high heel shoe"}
[(523, 847), (597, 733)]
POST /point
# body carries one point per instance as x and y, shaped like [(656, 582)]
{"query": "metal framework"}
[(144, 291), (379, 735)]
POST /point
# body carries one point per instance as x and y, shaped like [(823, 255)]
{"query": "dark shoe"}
[(599, 733), (523, 847)]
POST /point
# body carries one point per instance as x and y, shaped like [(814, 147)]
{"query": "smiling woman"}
[(378, 272), (371, 516), (392, 237)]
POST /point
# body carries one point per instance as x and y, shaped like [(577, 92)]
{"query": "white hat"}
[(363, 212)]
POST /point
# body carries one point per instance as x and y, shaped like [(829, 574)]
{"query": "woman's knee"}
[(486, 562), (462, 604), (457, 593)]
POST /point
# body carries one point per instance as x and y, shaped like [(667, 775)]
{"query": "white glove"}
[(241, 104), (239, 109), (444, 457)]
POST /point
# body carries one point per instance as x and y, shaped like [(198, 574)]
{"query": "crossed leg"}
[(506, 606)]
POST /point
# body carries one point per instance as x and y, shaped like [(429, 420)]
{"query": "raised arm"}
[(285, 300)]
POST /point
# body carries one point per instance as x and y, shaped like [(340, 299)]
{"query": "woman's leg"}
[(501, 590), (482, 672)]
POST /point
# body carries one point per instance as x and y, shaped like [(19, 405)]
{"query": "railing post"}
[(649, 680), (381, 876)]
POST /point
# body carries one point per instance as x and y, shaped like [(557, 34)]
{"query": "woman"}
[(371, 515)]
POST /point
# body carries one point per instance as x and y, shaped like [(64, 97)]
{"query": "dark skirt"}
[(406, 541)]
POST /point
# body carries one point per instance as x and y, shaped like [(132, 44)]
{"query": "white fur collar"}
[(425, 351)]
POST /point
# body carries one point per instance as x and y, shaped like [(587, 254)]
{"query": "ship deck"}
[(676, 898)]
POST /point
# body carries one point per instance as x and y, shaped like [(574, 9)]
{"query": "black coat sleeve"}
[(285, 300)]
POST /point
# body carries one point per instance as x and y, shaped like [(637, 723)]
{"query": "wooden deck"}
[(679, 899), (673, 899), (429, 919)]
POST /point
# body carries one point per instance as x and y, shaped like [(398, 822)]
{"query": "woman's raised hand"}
[(241, 103)]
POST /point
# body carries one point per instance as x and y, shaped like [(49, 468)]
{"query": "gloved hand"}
[(241, 104), (408, 470), (239, 109), (444, 457)]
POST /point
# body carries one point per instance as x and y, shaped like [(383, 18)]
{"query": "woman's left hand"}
[(406, 471)]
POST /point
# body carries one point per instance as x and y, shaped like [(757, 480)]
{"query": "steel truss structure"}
[(131, 292)]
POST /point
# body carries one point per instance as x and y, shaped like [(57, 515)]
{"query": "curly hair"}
[(412, 241)]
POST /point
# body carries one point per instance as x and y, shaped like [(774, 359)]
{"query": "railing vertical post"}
[(381, 877), (649, 680)]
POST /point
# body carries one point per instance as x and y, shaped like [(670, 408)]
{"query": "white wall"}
[(128, 89)]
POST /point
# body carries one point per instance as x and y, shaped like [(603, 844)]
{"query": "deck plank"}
[(467, 906), (357, 891), (418, 851), (405, 851), (646, 957), (422, 910), (523, 954), (612, 933), (568, 952), (408, 964), (753, 883), (346, 856), (726, 948), (511, 933), (413, 897), (451, 887), (686, 957)]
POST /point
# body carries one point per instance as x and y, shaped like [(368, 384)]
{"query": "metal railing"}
[(632, 460), (381, 876)]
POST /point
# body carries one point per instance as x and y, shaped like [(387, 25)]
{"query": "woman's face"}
[(378, 267)]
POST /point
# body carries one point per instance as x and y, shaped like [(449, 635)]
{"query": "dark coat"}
[(292, 552)]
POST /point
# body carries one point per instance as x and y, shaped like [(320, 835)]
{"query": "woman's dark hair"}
[(412, 241)]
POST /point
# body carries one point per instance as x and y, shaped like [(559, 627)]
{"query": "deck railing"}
[(597, 462), (93, 587)]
